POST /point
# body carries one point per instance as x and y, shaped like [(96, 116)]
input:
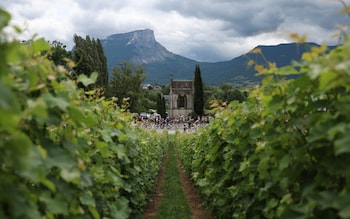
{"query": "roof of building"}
[(181, 84)]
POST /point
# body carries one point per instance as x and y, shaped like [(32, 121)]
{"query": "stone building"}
[(180, 98)]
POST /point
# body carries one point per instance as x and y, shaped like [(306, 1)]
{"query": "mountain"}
[(140, 47), (238, 73)]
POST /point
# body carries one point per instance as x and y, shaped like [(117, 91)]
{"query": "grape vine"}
[(66, 152), (284, 153)]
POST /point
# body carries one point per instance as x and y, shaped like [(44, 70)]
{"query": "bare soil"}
[(198, 211), (193, 199), (150, 211)]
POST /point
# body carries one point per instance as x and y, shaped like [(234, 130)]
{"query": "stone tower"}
[(181, 98)]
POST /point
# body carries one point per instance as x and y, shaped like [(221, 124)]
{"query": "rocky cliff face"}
[(138, 46)]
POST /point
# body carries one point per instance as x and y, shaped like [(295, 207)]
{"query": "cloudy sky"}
[(204, 30)]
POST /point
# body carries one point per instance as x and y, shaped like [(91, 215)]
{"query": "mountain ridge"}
[(141, 47)]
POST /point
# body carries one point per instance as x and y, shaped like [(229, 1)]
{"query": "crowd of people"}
[(181, 122)]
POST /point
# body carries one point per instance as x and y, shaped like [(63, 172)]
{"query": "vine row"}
[(66, 152), (283, 153)]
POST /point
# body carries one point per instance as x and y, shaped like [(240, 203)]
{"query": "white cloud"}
[(206, 30)]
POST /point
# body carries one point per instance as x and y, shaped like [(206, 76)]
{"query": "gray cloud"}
[(206, 30)]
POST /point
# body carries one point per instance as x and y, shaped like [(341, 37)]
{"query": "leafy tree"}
[(198, 98), (225, 93), (147, 100), (209, 93), (229, 94), (166, 89), (58, 53), (126, 83)]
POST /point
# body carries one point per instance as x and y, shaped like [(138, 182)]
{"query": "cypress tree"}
[(161, 109), (80, 55), (89, 57), (103, 77), (198, 99)]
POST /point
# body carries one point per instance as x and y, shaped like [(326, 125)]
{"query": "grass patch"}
[(173, 203)]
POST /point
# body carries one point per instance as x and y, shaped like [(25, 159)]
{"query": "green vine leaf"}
[(86, 81), (40, 45)]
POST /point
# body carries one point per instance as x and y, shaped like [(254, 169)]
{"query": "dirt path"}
[(192, 196), (150, 211), (193, 199)]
